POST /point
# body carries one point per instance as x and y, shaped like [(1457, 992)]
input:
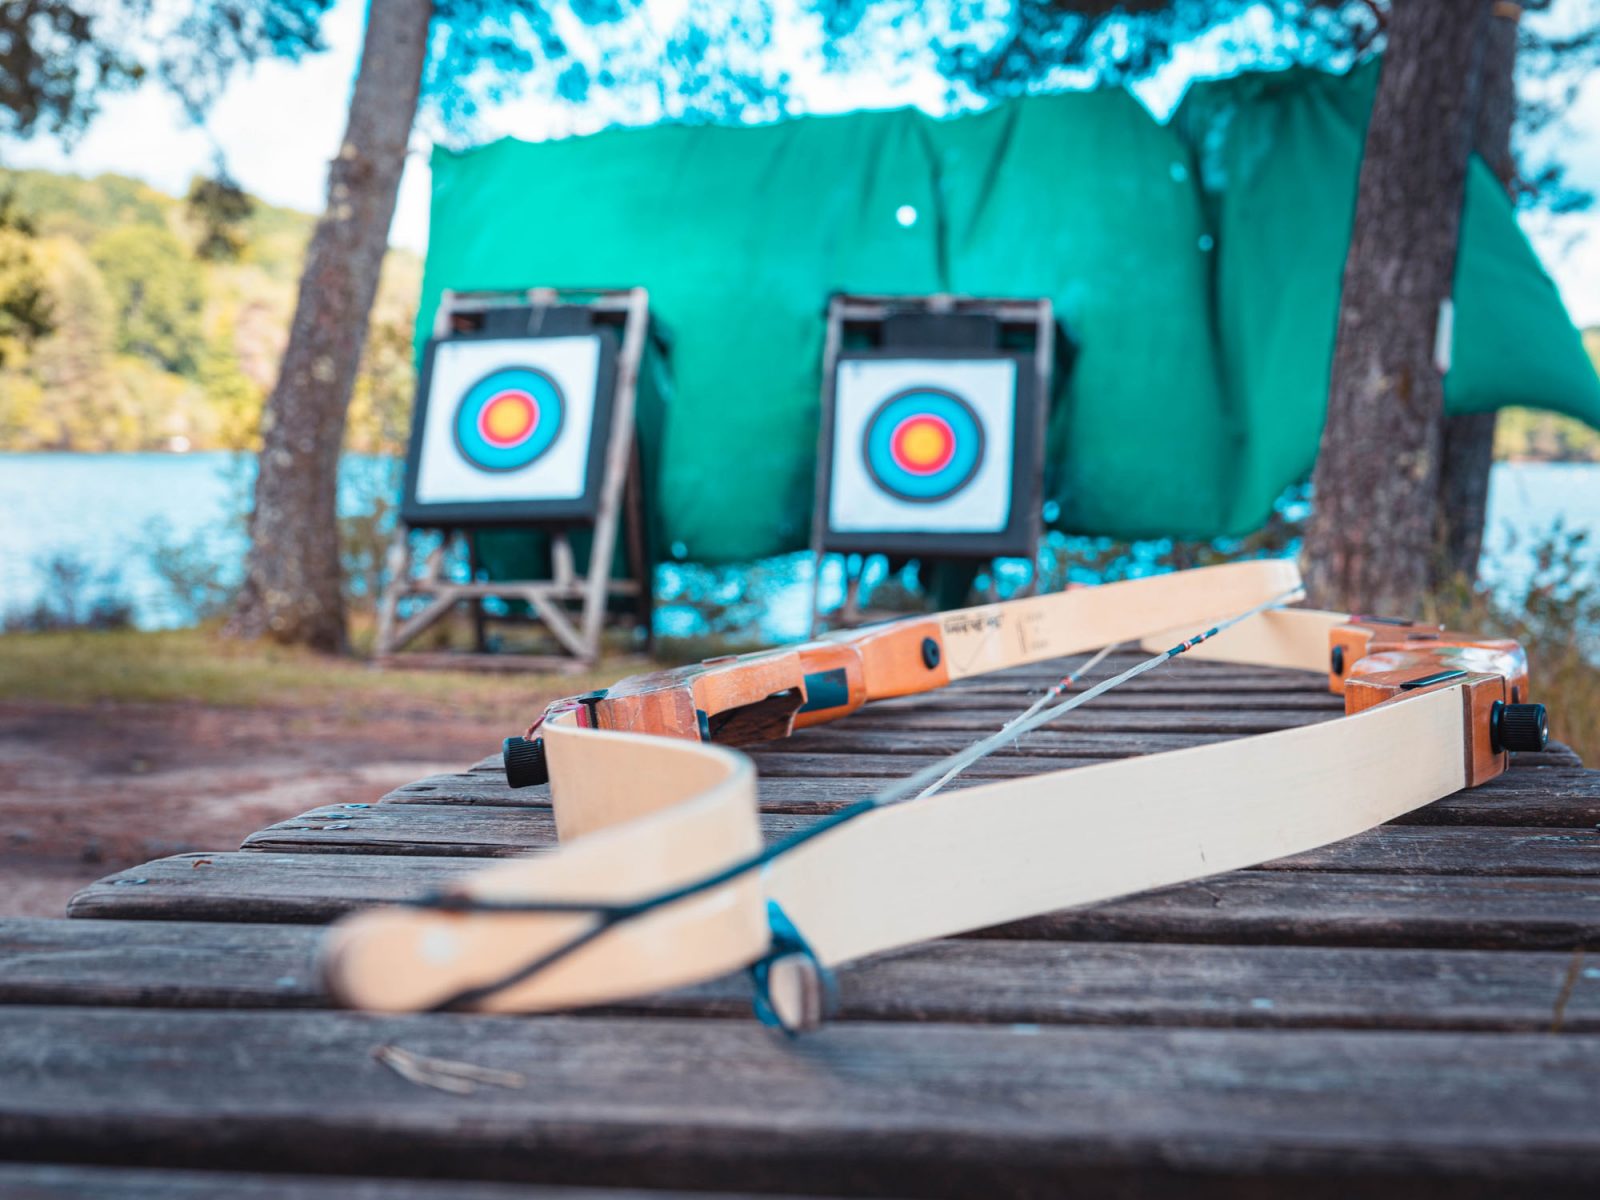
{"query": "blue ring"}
[(483, 455), (966, 458)]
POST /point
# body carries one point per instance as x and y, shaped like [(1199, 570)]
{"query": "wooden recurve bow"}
[(662, 878)]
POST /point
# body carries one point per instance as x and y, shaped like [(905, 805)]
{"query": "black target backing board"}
[(510, 430), (931, 452)]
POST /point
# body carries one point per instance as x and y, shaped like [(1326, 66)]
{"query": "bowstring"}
[(609, 914), (908, 788), (965, 758)]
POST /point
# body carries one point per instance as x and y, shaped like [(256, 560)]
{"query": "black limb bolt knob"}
[(525, 765), (1518, 727)]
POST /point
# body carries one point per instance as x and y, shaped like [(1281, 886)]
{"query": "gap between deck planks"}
[(43, 1181)]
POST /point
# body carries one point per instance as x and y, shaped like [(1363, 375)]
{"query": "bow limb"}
[(999, 852), (700, 815), (996, 636), (1286, 637)]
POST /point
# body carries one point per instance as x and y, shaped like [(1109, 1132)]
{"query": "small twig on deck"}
[(1565, 994), (444, 1074)]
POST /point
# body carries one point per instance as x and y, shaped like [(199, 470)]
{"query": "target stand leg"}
[(851, 613), (816, 592), (398, 562)]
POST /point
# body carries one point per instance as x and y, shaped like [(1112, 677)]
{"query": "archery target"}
[(508, 420), (923, 445)]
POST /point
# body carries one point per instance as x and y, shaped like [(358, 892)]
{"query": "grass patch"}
[(198, 666), (1555, 614)]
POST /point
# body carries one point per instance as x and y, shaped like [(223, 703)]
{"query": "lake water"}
[(109, 511), (106, 511)]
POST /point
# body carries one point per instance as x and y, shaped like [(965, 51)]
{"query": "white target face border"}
[(857, 503), (560, 473)]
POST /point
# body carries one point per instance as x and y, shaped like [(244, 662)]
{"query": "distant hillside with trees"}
[(1526, 434), (135, 320), (165, 324)]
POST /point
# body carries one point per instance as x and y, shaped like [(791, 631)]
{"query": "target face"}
[(922, 446), (508, 419), (504, 428)]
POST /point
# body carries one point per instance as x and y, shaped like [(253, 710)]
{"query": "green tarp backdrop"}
[(1194, 265)]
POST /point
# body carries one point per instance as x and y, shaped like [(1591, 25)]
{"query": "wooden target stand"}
[(937, 326), (570, 605)]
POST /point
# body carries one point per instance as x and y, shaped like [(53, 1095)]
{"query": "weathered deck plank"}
[(205, 965), (959, 703), (440, 829), (1284, 907), (930, 1109), (1232, 721), (498, 832), (51, 1182), (1559, 797), (844, 743)]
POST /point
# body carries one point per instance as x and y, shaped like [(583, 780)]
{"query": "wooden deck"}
[(1410, 1011)]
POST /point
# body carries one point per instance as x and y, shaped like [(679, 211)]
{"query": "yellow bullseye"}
[(924, 444), (509, 417)]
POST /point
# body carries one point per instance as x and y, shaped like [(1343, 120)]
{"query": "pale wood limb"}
[(1284, 637), (890, 878), (992, 637)]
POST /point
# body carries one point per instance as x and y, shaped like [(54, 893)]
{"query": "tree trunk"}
[(293, 589), (1370, 538), (1469, 438)]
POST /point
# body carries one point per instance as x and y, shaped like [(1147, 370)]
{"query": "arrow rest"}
[(794, 992)]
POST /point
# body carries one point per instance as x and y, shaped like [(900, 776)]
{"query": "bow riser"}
[(1351, 645), (1492, 674), (739, 699), (1482, 757)]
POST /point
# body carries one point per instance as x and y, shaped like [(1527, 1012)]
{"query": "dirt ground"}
[(85, 791)]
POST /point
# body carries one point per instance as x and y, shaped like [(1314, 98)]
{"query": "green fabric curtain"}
[(1277, 157), (1195, 266)]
